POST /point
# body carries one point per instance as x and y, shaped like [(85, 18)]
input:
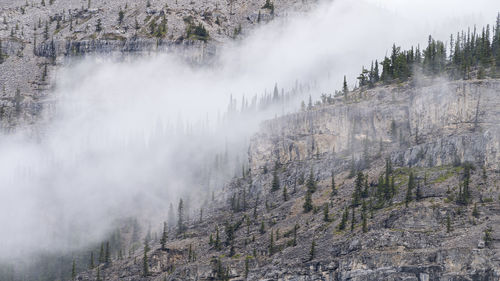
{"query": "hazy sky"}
[(99, 157)]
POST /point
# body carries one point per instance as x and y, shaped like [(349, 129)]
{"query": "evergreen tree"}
[(326, 213), (247, 261), (365, 226), (275, 185), (190, 253), (475, 212), (353, 218), (91, 262), (334, 189), (312, 252), (121, 15), (180, 218), (145, 263), (448, 224), (411, 185), (363, 217), (488, 239), (308, 206), (418, 194), (285, 193), (311, 183), (345, 88), (98, 26), (101, 254), (73, 270), (1, 53), (98, 277), (295, 234), (271, 244), (358, 189), (217, 238), (343, 222), (164, 236), (107, 255)]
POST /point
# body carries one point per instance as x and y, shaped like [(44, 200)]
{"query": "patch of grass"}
[(446, 173), (488, 200)]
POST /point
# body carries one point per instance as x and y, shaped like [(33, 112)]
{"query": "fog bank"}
[(127, 138)]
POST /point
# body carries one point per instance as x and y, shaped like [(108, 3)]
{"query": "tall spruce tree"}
[(275, 185), (164, 237), (409, 191), (345, 88), (308, 206), (145, 262), (180, 216)]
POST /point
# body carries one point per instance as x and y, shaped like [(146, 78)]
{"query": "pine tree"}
[(98, 277), (275, 185), (345, 89), (343, 222), (488, 239), (312, 252), (98, 26), (308, 202), (91, 262), (145, 263), (101, 254), (358, 189), (180, 218), (411, 185), (326, 215), (247, 267), (334, 189), (376, 72), (475, 211), (353, 219), (164, 236), (217, 238), (107, 255), (285, 193), (271, 244), (365, 226), (311, 183), (121, 15), (262, 228), (296, 226), (73, 270), (190, 253), (418, 194), (1, 53)]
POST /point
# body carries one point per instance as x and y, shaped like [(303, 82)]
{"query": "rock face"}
[(250, 232), (438, 125)]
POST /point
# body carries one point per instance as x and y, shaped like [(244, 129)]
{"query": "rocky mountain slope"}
[(415, 196), (38, 35)]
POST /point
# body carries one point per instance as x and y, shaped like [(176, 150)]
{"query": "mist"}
[(125, 138)]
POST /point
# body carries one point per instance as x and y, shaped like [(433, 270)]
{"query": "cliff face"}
[(433, 125), (250, 231)]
